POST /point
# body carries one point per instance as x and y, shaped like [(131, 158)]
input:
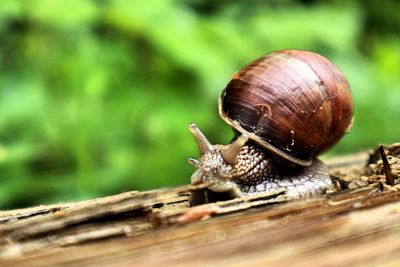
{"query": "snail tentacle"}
[(231, 152), (202, 141)]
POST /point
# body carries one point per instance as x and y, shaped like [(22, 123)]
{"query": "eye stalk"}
[(231, 152), (201, 139)]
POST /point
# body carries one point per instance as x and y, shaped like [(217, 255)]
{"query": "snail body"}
[(285, 108)]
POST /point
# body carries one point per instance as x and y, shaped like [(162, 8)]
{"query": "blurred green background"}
[(96, 96)]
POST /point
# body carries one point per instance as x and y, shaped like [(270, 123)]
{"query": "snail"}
[(285, 108)]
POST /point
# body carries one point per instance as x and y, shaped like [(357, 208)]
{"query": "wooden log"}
[(357, 226)]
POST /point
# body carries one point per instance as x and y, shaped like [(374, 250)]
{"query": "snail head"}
[(216, 162)]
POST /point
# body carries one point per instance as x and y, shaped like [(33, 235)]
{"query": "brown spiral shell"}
[(294, 103)]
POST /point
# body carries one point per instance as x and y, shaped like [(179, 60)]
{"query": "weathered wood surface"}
[(358, 226)]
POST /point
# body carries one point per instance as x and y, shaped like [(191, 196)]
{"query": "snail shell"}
[(294, 103)]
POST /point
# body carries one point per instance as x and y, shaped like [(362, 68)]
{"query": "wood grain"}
[(357, 227)]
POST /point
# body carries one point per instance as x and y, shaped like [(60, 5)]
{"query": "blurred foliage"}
[(96, 96)]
